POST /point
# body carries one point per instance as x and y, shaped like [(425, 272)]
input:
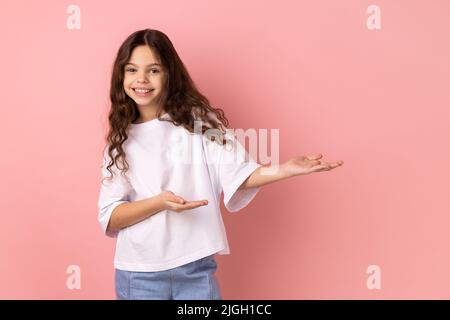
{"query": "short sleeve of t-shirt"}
[(112, 193), (235, 166)]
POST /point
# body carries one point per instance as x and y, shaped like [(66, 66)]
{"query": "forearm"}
[(129, 213), (257, 179)]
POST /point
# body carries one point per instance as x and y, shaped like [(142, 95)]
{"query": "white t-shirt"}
[(162, 156)]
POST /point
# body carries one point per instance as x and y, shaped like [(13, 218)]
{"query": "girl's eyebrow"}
[(151, 64)]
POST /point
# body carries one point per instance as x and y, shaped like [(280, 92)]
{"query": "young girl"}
[(162, 180)]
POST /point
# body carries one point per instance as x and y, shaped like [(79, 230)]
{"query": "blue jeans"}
[(192, 281)]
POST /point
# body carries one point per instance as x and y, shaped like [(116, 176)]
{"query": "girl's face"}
[(143, 71)]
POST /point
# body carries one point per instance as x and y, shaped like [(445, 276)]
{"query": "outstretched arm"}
[(293, 167)]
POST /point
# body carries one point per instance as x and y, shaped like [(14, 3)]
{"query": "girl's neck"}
[(144, 117)]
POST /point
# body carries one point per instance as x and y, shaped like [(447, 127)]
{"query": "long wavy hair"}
[(180, 97)]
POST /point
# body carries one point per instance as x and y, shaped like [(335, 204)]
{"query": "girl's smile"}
[(142, 92)]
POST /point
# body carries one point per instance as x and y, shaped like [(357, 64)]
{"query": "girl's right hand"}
[(172, 202)]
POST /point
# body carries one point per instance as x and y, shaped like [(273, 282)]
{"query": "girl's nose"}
[(142, 77)]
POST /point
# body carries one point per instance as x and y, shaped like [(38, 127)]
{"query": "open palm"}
[(176, 203), (309, 164)]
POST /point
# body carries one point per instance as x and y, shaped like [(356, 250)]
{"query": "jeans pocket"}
[(209, 262)]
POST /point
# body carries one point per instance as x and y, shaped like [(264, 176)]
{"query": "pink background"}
[(377, 99)]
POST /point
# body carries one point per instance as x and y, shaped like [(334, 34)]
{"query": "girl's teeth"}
[(141, 91)]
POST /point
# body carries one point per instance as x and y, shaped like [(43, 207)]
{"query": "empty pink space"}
[(377, 99)]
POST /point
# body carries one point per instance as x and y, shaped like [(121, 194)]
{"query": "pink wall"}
[(377, 99)]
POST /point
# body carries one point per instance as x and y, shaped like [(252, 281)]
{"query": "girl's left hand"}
[(308, 164)]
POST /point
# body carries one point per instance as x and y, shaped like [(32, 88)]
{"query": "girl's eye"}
[(132, 69)]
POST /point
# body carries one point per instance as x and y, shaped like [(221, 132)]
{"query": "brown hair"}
[(180, 97)]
